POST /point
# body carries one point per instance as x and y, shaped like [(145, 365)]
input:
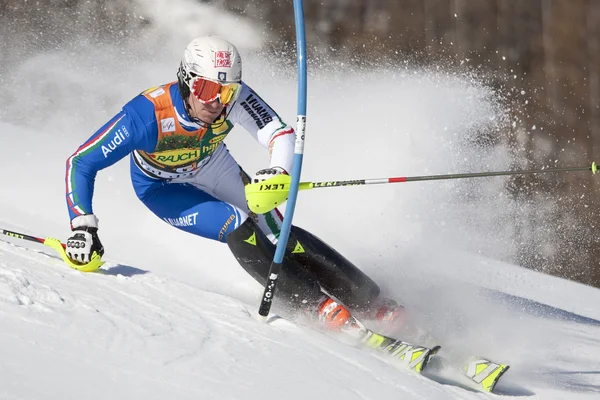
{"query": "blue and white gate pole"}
[(274, 271)]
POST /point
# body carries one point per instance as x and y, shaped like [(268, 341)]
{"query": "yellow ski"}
[(485, 373)]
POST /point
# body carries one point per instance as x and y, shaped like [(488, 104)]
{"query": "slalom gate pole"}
[(93, 265), (275, 269), (265, 196)]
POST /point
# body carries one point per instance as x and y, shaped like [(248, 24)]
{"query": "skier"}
[(182, 171)]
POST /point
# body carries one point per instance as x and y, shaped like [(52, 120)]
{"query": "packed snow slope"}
[(131, 332), (173, 316)]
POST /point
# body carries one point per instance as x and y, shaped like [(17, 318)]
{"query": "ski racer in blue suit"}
[(182, 171)]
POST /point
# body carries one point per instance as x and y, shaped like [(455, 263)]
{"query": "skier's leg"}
[(255, 252), (224, 178), (192, 210), (189, 208), (335, 273)]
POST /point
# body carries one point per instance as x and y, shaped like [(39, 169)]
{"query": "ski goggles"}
[(207, 90)]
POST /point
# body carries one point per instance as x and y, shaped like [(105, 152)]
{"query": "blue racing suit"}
[(181, 169)]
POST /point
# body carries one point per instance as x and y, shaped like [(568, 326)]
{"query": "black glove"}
[(85, 240), (267, 173)]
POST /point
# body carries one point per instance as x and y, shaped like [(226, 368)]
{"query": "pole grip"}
[(94, 264)]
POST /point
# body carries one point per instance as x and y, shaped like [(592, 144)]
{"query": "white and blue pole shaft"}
[(274, 271)]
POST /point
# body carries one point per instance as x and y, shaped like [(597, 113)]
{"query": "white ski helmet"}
[(211, 58)]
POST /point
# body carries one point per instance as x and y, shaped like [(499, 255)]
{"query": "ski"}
[(477, 374), (473, 372), (413, 357), (485, 373), (410, 356), (402, 354)]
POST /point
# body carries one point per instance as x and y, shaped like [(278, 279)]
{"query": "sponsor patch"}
[(226, 226), (167, 125), (119, 138), (188, 220), (176, 158), (222, 59), (217, 139), (257, 110), (157, 93), (222, 76), (252, 239)]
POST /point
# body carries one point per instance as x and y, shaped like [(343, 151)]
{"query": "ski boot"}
[(389, 316), (335, 318)]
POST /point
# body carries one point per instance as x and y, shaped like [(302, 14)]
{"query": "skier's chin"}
[(208, 118)]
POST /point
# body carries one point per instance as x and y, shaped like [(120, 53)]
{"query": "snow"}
[(174, 316)]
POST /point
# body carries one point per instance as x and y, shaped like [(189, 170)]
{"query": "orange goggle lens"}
[(208, 91)]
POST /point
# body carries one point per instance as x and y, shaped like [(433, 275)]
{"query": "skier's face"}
[(207, 112)]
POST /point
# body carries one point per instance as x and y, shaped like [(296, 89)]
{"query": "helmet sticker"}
[(222, 59), (222, 76)]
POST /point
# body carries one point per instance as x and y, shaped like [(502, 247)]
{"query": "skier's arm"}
[(126, 132), (262, 122)]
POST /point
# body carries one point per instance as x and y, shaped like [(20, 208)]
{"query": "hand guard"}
[(85, 240), (267, 173)]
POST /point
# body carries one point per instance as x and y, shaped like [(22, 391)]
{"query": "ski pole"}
[(93, 265), (264, 196)]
